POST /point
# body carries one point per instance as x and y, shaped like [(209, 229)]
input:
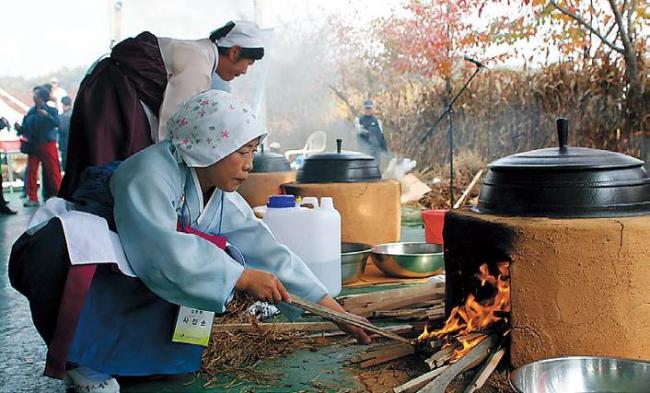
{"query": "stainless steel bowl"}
[(582, 374), (353, 261), (408, 260)]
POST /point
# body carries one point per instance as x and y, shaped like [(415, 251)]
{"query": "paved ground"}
[(22, 352), (21, 349)]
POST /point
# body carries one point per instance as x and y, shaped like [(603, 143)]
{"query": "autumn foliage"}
[(563, 67)]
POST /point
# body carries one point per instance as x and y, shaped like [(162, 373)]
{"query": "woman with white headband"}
[(174, 208), (125, 100)]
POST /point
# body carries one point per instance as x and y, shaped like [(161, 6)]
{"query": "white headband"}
[(245, 34)]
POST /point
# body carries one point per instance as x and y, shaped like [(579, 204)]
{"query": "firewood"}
[(397, 329), (371, 297), (415, 313), (392, 299), (383, 354), (488, 368), (429, 303), (279, 327), (344, 317), (441, 357), (439, 342), (416, 384), (473, 358)]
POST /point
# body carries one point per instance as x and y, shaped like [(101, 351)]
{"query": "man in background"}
[(370, 135), (39, 127), (64, 128)]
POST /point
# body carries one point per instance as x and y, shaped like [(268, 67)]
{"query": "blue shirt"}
[(40, 129)]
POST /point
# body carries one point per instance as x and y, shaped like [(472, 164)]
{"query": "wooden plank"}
[(474, 357), (488, 368), (344, 317), (431, 303), (417, 313), (416, 384), (378, 296), (393, 299)]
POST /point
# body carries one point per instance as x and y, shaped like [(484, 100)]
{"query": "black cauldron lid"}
[(341, 166), (566, 182), (267, 161)]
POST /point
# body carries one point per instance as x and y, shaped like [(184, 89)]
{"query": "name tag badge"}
[(193, 326)]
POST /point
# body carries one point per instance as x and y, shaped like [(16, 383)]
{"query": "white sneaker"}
[(87, 380)]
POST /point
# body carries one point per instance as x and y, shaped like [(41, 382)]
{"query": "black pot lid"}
[(267, 161), (566, 182), (341, 166), (342, 155), (568, 159)]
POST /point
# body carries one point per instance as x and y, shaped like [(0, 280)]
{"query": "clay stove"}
[(575, 226)]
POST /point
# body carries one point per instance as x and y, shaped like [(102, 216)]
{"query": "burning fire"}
[(474, 316)]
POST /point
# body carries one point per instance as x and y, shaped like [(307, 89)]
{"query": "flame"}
[(425, 333), (468, 344), (485, 276), (474, 315)]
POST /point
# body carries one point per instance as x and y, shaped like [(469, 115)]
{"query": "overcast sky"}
[(40, 36)]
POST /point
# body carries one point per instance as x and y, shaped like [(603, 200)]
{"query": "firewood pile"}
[(464, 353), (459, 354), (239, 341)]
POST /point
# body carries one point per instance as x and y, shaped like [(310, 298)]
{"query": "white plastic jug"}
[(314, 234)]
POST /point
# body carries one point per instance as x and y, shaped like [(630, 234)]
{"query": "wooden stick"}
[(415, 384), (344, 317), (488, 368), (397, 329), (474, 357), (279, 327), (471, 185)]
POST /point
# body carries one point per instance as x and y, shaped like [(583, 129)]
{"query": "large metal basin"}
[(582, 374), (409, 260), (353, 261)]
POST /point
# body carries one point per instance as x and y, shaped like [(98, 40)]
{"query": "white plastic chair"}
[(316, 143)]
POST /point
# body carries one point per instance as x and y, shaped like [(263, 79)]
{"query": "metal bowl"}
[(408, 260), (353, 261), (582, 374)]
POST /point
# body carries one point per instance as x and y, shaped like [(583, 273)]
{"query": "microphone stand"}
[(449, 112)]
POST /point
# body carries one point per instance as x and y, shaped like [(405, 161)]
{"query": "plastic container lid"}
[(279, 201)]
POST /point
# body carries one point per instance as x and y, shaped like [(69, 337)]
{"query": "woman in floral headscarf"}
[(174, 208)]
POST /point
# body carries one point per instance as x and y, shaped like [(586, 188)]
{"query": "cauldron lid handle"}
[(562, 133)]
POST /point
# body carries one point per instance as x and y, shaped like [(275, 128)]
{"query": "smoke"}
[(298, 68)]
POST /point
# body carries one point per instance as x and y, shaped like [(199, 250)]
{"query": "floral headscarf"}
[(210, 126)]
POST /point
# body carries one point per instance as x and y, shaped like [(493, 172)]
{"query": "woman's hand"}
[(357, 332), (263, 286)]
